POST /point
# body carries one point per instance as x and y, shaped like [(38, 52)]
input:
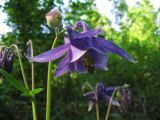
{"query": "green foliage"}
[(137, 33), (17, 84), (32, 92)]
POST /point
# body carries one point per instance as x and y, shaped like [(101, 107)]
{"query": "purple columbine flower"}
[(85, 51), (101, 93), (6, 59)]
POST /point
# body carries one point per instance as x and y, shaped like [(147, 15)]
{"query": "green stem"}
[(32, 66), (97, 106), (21, 65), (25, 82), (109, 106), (97, 111), (34, 110), (49, 86)]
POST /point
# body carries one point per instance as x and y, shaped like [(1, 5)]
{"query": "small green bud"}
[(54, 18)]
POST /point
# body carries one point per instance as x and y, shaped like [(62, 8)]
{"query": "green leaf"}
[(13, 81), (33, 92)]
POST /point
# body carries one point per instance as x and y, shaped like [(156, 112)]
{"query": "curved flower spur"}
[(85, 51)]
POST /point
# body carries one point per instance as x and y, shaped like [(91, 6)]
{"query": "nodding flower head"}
[(126, 99), (6, 59), (2, 57), (54, 18)]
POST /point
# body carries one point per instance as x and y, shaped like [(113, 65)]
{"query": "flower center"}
[(88, 61)]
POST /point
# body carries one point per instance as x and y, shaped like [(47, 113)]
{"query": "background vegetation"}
[(137, 31)]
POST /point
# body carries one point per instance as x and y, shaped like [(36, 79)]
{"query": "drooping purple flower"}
[(2, 57), (6, 59), (101, 93), (126, 99), (85, 51)]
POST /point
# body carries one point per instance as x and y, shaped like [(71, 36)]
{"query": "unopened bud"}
[(54, 18)]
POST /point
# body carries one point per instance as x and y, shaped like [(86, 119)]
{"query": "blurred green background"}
[(136, 29)]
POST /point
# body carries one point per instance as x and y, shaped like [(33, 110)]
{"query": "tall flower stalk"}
[(30, 52), (33, 101), (110, 103), (21, 65), (97, 109), (49, 85)]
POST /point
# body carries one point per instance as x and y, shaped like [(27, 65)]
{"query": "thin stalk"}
[(97, 111), (34, 110), (109, 106), (97, 106), (21, 65), (26, 83), (49, 86), (32, 66)]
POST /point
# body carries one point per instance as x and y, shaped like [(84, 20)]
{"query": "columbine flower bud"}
[(54, 18), (29, 49)]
